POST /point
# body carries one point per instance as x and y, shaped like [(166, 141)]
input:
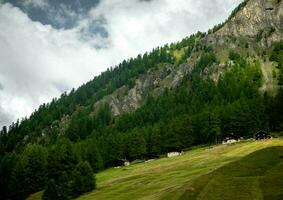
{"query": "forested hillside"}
[(180, 95)]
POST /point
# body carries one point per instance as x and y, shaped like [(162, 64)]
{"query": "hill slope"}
[(181, 95), (237, 171)]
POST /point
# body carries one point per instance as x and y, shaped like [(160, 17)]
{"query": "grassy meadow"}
[(247, 170)]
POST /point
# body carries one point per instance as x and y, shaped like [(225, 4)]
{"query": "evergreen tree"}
[(83, 179), (61, 158), (30, 173), (7, 164), (35, 162), (136, 145), (51, 191)]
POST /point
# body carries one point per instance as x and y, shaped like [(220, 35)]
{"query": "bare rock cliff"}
[(260, 20)]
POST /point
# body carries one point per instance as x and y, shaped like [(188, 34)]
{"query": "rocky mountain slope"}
[(256, 23), (258, 20)]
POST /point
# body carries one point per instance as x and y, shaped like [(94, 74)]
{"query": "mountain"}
[(257, 20), (174, 97), (254, 23)]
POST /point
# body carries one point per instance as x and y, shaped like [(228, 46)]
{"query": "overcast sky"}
[(39, 61)]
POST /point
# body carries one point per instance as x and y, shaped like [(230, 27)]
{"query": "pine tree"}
[(136, 145), (83, 179), (35, 171), (51, 191), (61, 158)]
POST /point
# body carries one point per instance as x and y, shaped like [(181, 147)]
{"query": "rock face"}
[(261, 20), (153, 83)]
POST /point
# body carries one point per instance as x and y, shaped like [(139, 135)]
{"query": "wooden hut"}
[(121, 162), (262, 135)]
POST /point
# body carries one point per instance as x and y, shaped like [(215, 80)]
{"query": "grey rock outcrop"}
[(260, 20)]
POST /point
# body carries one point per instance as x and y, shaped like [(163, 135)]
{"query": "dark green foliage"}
[(51, 191), (79, 181), (154, 142), (233, 55), (7, 163), (277, 56), (80, 125), (206, 126), (64, 186), (59, 190), (82, 179), (274, 110), (30, 173), (103, 116), (18, 188), (61, 158), (35, 167), (90, 152), (136, 146)]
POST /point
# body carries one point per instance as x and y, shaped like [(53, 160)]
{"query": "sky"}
[(48, 47)]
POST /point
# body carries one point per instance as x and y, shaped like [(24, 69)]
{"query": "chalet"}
[(262, 135), (230, 138), (174, 154), (121, 162)]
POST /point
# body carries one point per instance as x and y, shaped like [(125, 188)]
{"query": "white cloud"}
[(38, 62)]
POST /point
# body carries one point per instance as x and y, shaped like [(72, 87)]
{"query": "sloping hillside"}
[(198, 174), (178, 96), (251, 30)]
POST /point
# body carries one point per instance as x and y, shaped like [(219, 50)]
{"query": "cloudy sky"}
[(50, 46)]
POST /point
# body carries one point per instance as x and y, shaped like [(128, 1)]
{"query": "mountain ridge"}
[(256, 18), (250, 28)]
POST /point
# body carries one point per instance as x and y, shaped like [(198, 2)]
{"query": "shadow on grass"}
[(256, 176)]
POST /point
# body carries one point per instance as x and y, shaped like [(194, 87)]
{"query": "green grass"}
[(237, 171), (256, 176)]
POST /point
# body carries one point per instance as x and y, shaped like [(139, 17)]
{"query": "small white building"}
[(230, 139), (126, 163), (173, 154)]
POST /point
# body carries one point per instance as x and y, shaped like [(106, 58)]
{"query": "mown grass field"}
[(239, 171)]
